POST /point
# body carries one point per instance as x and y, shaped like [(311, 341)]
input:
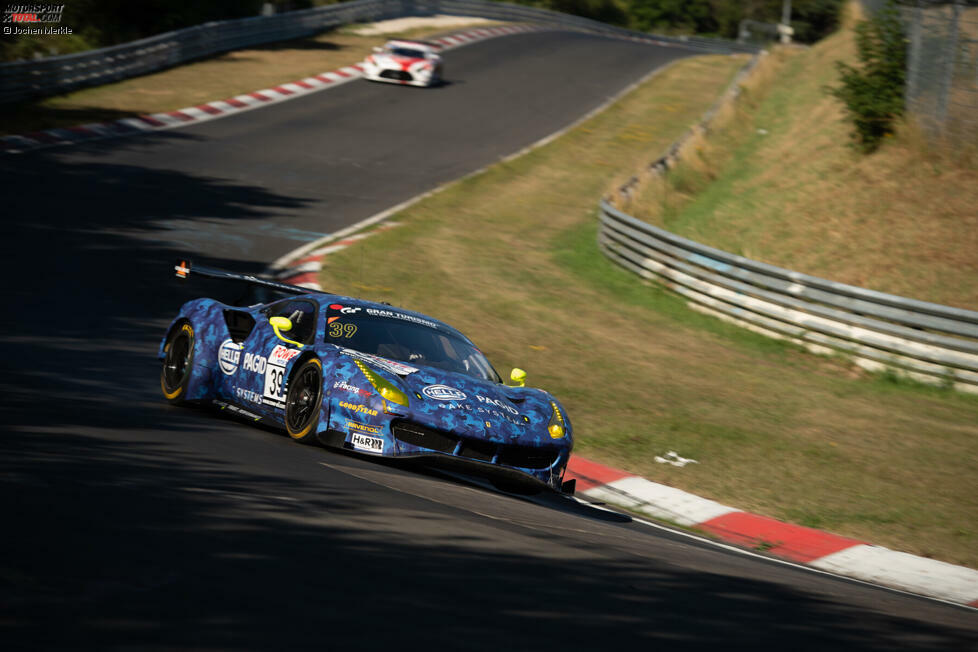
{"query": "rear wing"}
[(184, 269)]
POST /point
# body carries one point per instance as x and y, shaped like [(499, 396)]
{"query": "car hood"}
[(467, 406), (478, 408), (399, 62), (481, 409)]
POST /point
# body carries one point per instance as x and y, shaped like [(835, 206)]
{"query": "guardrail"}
[(32, 79), (928, 342)]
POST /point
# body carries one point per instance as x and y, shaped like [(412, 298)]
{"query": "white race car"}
[(405, 62)]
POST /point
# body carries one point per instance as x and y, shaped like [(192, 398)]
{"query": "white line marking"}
[(782, 562)]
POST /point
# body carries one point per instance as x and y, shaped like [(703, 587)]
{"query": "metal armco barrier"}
[(23, 80), (925, 341), (31, 79)]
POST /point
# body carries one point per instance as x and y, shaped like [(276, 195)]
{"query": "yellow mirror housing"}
[(280, 324), (518, 376)]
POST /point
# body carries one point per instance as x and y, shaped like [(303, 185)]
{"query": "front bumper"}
[(514, 463), (401, 77)]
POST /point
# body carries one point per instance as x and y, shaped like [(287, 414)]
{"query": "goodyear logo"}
[(362, 409)]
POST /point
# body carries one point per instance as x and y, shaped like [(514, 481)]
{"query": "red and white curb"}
[(141, 124), (822, 550), (304, 271), (795, 543)]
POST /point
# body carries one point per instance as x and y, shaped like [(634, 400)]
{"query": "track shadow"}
[(93, 249), (123, 544), (128, 523), (23, 118)]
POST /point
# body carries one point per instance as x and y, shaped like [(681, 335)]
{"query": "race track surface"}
[(129, 523)]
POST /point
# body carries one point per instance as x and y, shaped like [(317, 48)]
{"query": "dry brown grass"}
[(509, 257), (779, 184)]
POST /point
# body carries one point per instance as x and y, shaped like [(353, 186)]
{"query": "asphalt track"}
[(128, 523)]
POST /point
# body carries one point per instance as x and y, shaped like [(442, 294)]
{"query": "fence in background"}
[(942, 69), (32, 79), (928, 342), (942, 65)]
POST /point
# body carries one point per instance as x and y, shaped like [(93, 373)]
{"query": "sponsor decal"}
[(455, 406), (248, 395), (381, 363), (228, 356), (254, 362), (362, 409), (363, 442), (498, 404), (443, 393), (346, 310), (347, 387), (354, 425), (231, 407), (390, 314), (282, 354)]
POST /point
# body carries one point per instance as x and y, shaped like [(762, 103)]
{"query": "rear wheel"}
[(304, 401), (177, 363)]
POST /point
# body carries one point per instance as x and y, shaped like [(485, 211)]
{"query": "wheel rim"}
[(177, 361), (304, 398)]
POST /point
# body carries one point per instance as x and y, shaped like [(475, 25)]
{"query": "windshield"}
[(407, 339), (408, 52)]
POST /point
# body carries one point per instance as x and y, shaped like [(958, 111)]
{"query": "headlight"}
[(383, 387), (556, 428)]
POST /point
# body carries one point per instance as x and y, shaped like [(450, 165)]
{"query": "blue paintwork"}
[(489, 412)]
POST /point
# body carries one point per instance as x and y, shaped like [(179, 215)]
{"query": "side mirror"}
[(280, 324), (518, 376)]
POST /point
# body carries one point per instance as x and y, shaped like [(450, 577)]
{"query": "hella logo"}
[(228, 356), (443, 393)]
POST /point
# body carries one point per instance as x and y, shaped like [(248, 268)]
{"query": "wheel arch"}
[(323, 416)]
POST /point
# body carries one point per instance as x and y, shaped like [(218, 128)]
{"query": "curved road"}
[(130, 523)]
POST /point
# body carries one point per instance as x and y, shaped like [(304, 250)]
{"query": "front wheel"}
[(178, 364), (304, 400)]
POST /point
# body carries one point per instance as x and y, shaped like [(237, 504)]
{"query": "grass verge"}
[(776, 182), (509, 257), (214, 78)]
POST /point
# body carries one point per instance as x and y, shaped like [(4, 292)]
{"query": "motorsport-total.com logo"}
[(33, 19)]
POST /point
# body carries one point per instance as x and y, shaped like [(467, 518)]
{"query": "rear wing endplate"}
[(184, 269)]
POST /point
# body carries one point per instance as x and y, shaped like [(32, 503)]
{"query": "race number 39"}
[(274, 385)]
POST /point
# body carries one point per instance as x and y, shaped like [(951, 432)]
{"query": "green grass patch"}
[(510, 257)]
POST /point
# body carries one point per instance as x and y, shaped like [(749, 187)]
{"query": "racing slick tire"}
[(178, 363), (304, 400)]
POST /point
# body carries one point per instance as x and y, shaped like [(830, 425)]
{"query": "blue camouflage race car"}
[(366, 377)]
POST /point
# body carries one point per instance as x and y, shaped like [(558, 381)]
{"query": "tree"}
[(873, 93)]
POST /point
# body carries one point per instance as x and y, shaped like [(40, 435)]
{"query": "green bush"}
[(873, 93)]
